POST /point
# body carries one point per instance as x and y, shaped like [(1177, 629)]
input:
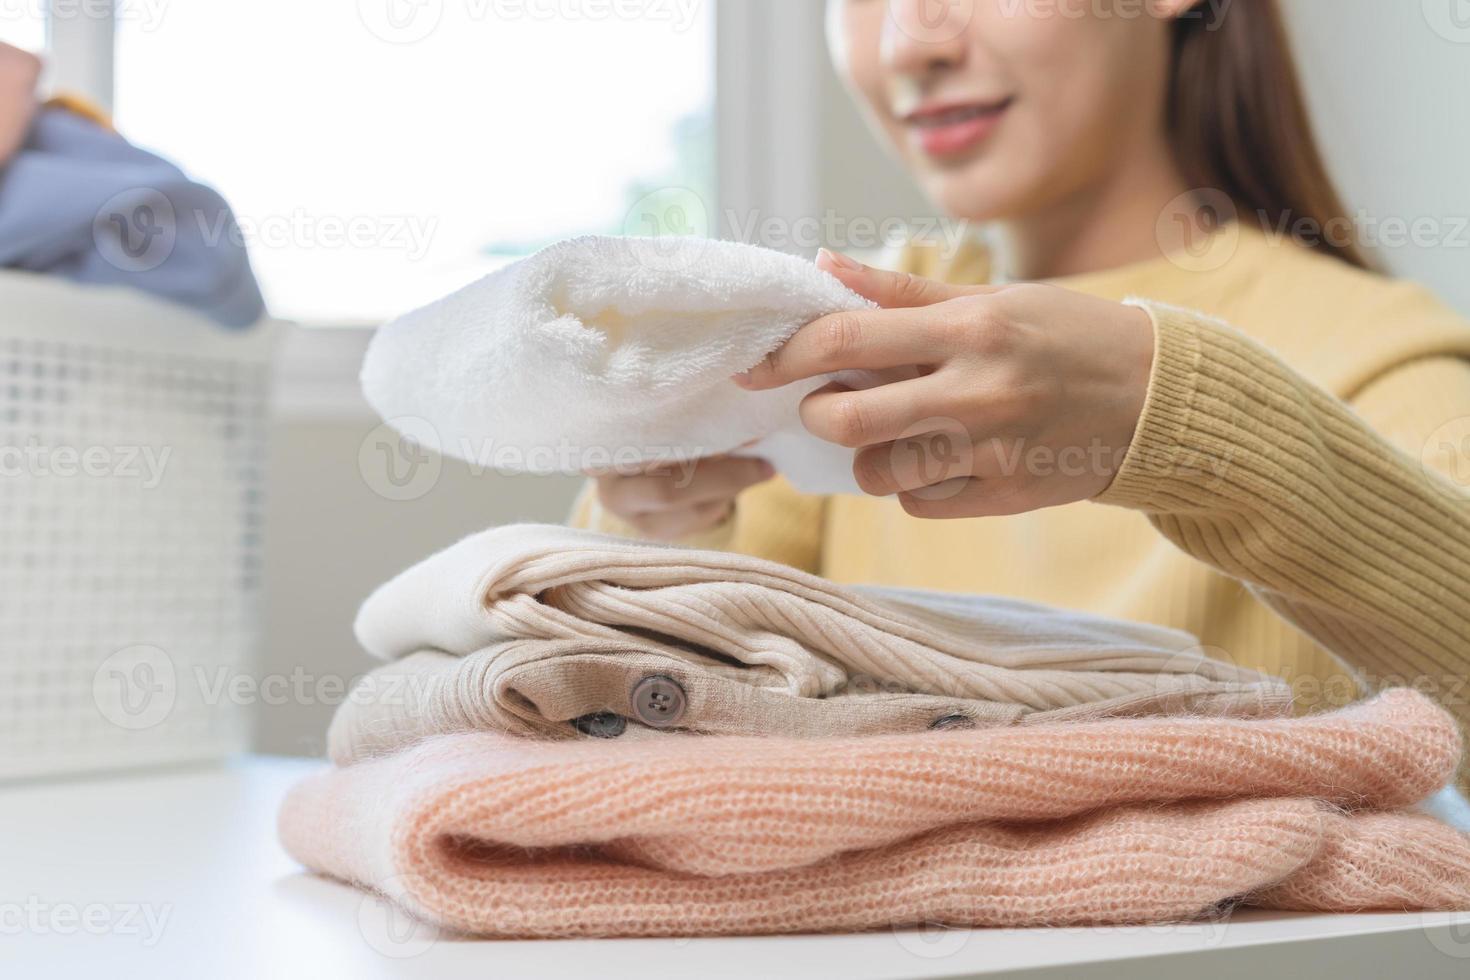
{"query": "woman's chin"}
[(971, 196), (992, 186)]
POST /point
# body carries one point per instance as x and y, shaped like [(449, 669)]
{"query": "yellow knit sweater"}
[(1297, 493)]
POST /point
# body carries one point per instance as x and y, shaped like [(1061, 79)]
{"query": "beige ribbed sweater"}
[(529, 628), (1297, 495)]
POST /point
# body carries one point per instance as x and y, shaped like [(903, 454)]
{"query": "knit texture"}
[(1297, 495), (522, 629), (1374, 569), (1105, 822)]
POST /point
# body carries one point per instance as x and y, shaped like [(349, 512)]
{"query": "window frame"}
[(80, 51), (777, 106)]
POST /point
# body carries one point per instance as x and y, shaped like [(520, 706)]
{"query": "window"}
[(381, 153), (23, 25)]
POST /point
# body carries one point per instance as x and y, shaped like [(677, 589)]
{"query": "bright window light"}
[(381, 153), (23, 24)]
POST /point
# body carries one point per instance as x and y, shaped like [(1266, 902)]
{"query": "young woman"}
[(1259, 447)]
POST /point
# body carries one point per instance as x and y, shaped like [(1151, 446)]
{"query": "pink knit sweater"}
[(1124, 821)]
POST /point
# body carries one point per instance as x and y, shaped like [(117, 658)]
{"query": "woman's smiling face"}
[(1003, 108)]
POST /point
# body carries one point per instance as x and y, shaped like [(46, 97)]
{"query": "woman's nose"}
[(924, 36)]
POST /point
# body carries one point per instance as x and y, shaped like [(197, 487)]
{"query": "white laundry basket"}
[(132, 442)]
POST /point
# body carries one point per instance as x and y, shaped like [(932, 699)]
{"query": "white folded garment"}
[(600, 352)]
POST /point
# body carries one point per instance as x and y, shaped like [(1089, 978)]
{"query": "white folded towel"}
[(599, 352)]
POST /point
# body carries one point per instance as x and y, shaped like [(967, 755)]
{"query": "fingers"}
[(858, 340), (968, 497), (942, 474), (890, 290), (863, 418), (914, 462), (671, 487)]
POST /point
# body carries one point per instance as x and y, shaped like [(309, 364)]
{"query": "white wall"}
[(1390, 99), (332, 537)]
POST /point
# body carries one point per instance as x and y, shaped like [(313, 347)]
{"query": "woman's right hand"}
[(675, 500)]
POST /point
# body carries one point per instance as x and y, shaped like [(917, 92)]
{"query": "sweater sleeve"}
[(1361, 542)]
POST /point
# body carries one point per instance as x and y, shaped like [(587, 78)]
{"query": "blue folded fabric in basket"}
[(79, 201)]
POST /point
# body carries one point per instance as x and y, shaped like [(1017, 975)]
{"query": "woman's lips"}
[(947, 130)]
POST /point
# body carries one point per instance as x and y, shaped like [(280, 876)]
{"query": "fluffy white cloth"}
[(599, 352)]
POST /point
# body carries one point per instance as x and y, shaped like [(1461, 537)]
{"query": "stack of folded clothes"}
[(578, 735)]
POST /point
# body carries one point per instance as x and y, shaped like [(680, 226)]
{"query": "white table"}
[(177, 874)]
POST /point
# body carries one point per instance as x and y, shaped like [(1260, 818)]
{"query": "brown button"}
[(955, 721), (658, 701)]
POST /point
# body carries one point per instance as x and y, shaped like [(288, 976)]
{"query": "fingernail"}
[(742, 379), (838, 260)]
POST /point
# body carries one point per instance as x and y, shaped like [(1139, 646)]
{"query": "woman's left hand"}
[(1025, 396)]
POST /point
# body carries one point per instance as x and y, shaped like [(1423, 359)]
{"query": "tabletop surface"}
[(178, 873)]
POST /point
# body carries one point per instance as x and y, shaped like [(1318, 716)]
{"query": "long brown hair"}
[(1238, 122)]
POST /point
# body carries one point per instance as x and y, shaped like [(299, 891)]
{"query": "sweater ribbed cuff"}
[(1161, 450)]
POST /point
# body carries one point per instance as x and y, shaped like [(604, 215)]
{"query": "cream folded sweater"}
[(533, 629), (1116, 821)]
